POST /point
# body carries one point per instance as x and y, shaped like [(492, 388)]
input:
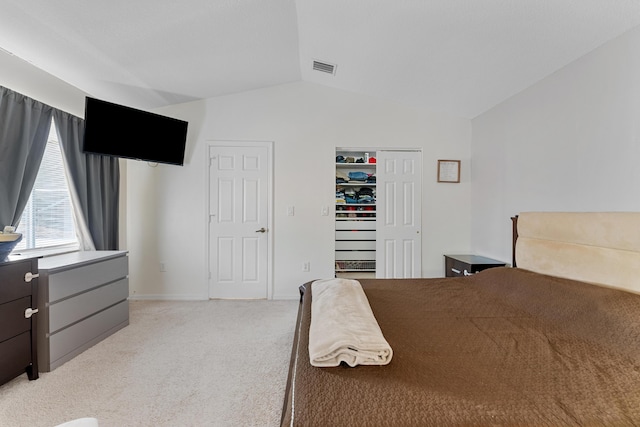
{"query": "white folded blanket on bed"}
[(343, 327)]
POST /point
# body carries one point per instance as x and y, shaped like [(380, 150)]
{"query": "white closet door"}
[(398, 221)]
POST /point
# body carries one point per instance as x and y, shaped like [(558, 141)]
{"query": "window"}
[(47, 220)]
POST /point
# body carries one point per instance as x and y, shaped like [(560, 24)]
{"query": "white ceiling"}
[(456, 56)]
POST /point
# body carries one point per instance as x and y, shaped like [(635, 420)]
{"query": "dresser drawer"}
[(13, 284), (69, 342), (355, 255), (351, 245), (356, 235), (12, 318), (355, 225), (15, 356), (63, 284), (71, 310)]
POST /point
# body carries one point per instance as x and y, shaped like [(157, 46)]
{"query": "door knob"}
[(262, 230)]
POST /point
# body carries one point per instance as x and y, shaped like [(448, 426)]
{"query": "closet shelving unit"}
[(355, 239)]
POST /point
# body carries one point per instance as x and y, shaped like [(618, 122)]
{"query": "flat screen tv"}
[(120, 131)]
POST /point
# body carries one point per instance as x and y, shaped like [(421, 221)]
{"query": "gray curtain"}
[(24, 130), (94, 182)]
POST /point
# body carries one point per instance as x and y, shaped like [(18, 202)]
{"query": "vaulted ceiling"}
[(456, 56)]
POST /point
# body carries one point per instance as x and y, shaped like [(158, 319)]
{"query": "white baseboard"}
[(168, 297)]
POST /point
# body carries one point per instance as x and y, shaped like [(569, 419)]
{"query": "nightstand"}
[(466, 265), (18, 300)]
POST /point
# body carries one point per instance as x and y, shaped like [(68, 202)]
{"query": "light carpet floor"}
[(178, 363)]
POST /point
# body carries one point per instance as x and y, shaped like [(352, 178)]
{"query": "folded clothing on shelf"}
[(358, 176)]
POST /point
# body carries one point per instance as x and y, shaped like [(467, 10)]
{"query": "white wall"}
[(24, 78), (167, 217), (570, 142)]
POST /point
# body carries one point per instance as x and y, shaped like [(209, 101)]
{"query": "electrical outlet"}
[(306, 267), (163, 267), (291, 210)]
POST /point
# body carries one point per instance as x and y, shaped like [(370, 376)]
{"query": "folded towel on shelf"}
[(343, 327)]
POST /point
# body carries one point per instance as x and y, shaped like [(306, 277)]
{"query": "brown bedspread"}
[(502, 347)]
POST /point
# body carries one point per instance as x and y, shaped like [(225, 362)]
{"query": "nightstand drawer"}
[(14, 285), (455, 268), (466, 265), (12, 318), (15, 356)]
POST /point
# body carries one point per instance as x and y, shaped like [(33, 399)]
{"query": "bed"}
[(553, 341)]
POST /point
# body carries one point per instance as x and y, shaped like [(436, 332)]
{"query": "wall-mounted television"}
[(120, 131)]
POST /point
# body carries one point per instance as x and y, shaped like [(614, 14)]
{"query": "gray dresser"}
[(83, 298)]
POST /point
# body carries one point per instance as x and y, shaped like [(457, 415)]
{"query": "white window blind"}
[(47, 221)]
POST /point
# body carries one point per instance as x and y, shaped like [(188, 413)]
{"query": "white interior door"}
[(399, 213), (239, 221)]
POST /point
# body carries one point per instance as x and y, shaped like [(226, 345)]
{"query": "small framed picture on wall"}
[(449, 171)]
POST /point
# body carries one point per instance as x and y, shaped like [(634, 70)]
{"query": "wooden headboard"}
[(595, 247)]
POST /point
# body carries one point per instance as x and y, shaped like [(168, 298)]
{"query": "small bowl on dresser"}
[(8, 242)]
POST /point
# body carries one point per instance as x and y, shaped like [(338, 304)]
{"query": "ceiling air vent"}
[(324, 67)]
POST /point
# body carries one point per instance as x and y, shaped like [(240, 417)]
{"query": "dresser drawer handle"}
[(30, 276), (455, 270), (30, 312)]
